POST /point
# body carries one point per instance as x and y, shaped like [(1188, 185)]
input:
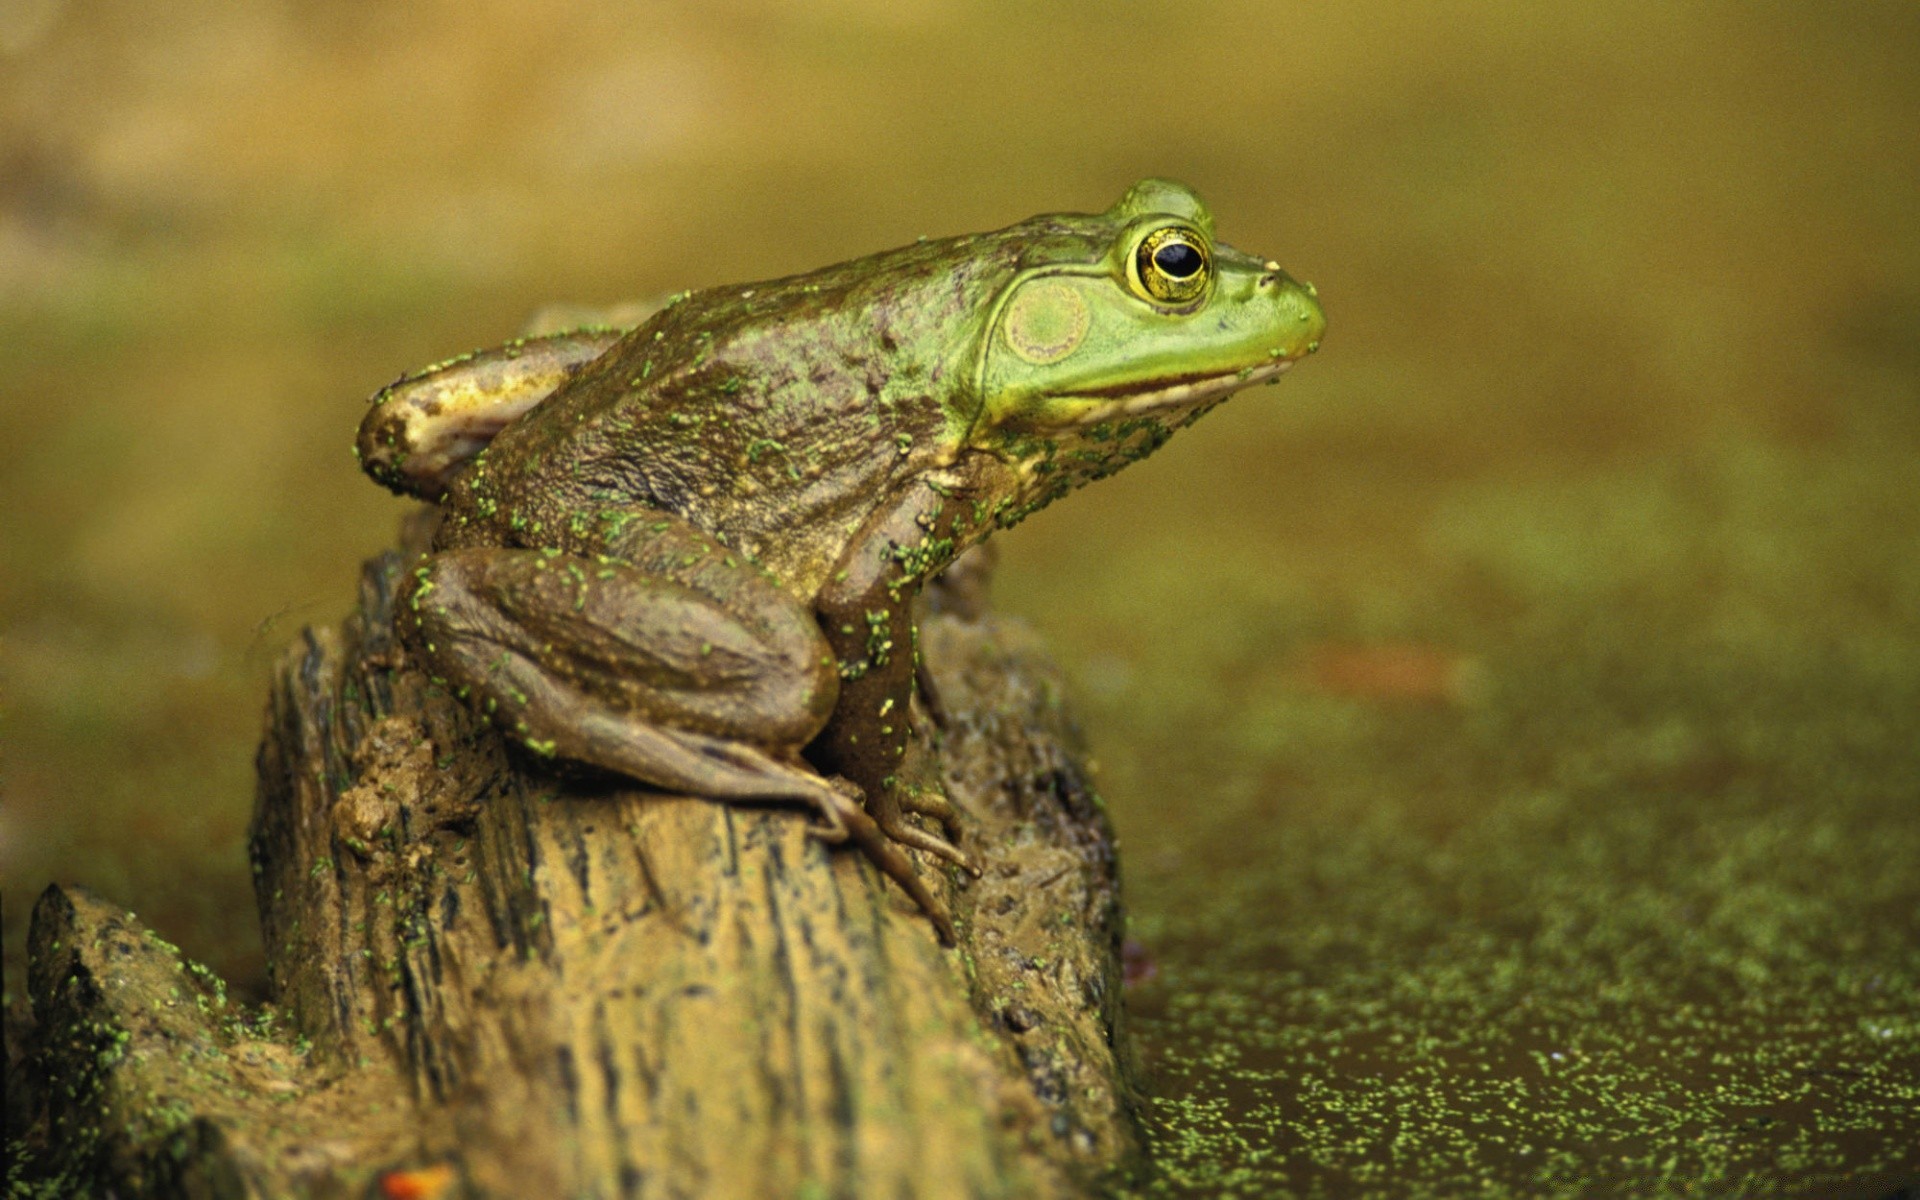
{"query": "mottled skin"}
[(694, 563)]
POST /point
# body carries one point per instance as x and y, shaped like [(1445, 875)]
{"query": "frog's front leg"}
[(866, 610)]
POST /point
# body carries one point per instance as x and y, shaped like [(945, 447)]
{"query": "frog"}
[(686, 550)]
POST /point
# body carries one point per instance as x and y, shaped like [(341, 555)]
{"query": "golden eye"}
[(1172, 264)]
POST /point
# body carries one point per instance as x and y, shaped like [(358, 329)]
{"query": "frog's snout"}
[(1300, 321)]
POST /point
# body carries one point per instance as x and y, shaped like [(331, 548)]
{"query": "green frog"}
[(688, 553)]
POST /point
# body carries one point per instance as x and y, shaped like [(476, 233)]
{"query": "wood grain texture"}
[(560, 986)]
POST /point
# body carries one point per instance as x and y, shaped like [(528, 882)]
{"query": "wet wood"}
[(491, 980)]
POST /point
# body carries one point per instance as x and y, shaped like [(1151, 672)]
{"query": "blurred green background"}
[(1513, 720)]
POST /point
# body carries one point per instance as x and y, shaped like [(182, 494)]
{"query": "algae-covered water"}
[(1568, 907), (1512, 720)]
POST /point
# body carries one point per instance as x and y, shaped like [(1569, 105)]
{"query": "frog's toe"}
[(843, 797), (932, 802), (908, 834), (874, 843), (830, 829)]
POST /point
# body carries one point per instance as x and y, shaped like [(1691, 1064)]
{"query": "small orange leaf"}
[(1393, 671), (427, 1183)]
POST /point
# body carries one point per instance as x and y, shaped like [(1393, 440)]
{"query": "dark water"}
[(1511, 719)]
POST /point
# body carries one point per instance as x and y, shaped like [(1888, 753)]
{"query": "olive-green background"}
[(1512, 720)]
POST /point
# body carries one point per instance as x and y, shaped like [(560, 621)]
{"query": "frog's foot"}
[(889, 807), (932, 802), (908, 834), (853, 820)]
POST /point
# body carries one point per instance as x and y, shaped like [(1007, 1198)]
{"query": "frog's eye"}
[(1172, 265)]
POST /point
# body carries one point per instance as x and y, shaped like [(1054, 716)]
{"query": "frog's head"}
[(1119, 328)]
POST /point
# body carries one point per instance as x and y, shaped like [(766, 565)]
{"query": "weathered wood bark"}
[(535, 986)]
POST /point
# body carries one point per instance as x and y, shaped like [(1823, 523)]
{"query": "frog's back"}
[(774, 414)]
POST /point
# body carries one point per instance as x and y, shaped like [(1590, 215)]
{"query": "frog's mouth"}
[(1106, 404)]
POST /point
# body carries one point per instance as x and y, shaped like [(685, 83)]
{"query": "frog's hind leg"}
[(598, 662), (425, 426), (678, 666)]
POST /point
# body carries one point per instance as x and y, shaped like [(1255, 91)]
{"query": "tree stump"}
[(487, 979)]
